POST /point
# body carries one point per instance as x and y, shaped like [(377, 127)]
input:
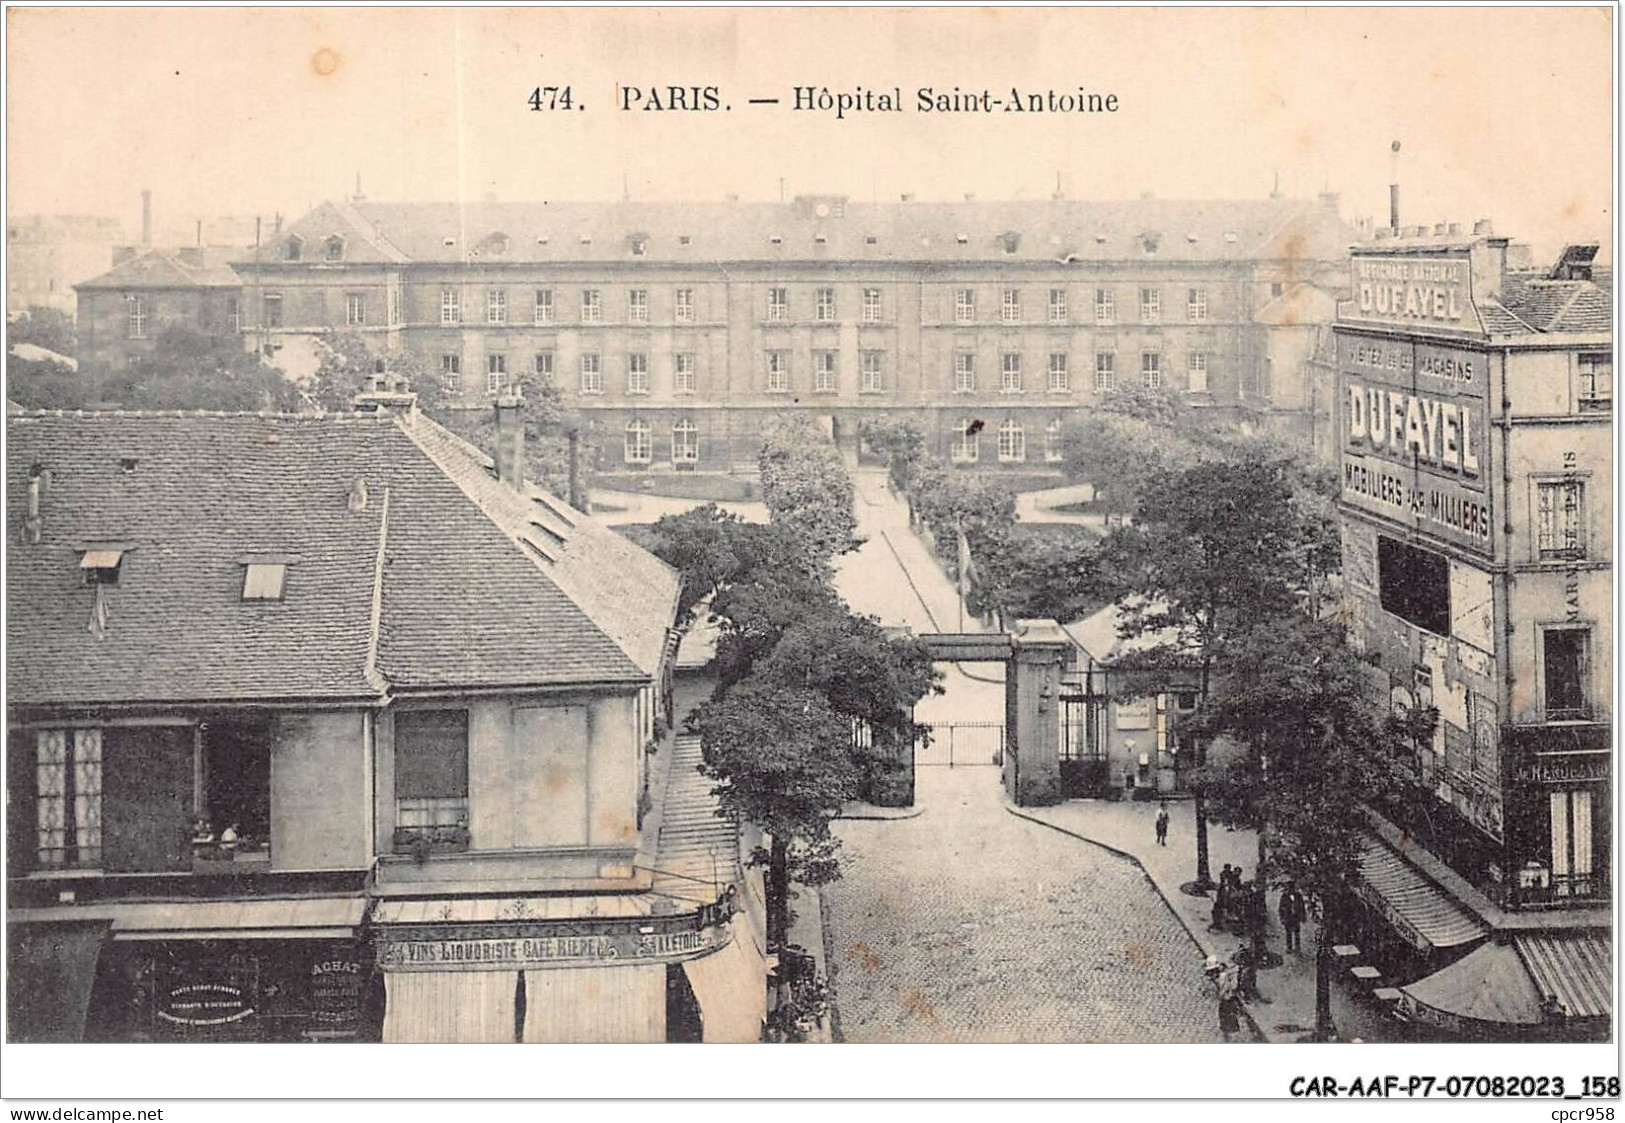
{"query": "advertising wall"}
[(1413, 421)]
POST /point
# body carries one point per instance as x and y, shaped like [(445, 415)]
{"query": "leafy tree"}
[(191, 370), (43, 327), (349, 365), (903, 444), (950, 503), (42, 384), (1054, 573), (807, 490), (1118, 452), (872, 678), (1214, 551), (1293, 693), (784, 761)]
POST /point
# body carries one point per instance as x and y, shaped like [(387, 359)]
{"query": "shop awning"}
[(284, 918), (50, 970), (450, 1007), (596, 1005), (731, 986), (1421, 912), (1575, 968), (1487, 988)]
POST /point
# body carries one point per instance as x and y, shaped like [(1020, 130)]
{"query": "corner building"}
[(1474, 405), (682, 328)]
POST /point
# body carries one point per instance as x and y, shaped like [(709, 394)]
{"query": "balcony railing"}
[(1563, 889)]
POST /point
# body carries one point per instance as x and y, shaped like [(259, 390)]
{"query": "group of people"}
[(1238, 904)]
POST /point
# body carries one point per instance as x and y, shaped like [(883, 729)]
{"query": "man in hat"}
[(1292, 909)]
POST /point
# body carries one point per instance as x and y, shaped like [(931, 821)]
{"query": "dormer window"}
[(335, 248), (494, 245), (640, 244), (871, 240), (295, 247), (821, 239), (1150, 240), (1011, 240), (962, 239), (683, 239), (101, 565), (776, 239), (264, 580)]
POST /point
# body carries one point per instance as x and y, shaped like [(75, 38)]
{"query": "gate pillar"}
[(1041, 653)]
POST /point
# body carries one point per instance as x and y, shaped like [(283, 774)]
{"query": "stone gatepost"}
[(1041, 654)]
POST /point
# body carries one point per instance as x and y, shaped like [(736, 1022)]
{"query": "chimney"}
[(146, 216), (1438, 229), (969, 198), (577, 500), (510, 440), (389, 394), (1482, 227), (1393, 188), (200, 231), (1453, 228), (908, 196)]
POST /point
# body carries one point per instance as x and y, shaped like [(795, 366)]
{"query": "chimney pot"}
[(510, 440), (1438, 230), (1482, 226), (1455, 228)]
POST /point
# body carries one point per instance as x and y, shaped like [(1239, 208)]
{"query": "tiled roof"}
[(1545, 305), (188, 267), (191, 498), (1043, 230)]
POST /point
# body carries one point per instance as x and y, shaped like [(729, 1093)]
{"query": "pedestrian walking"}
[(1162, 825), (1293, 910), (1221, 900), (1226, 989)]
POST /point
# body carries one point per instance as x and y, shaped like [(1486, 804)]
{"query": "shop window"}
[(1564, 654), (234, 773), (1573, 872), (68, 798), (1414, 584), (431, 781)]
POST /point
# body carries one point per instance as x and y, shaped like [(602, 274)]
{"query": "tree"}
[(1293, 694), (187, 369), (807, 490), (42, 384), (873, 679), (43, 327), (1044, 572), (784, 760), (901, 442), (1118, 452), (349, 365), (1214, 551)]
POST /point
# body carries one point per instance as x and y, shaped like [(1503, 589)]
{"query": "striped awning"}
[(1420, 911), (1575, 968)]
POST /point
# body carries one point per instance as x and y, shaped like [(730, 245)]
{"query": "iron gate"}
[(961, 744)]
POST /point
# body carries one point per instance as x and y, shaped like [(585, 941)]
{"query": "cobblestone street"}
[(967, 924)]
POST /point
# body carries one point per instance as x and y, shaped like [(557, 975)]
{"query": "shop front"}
[(598, 970), (1411, 924), (1535, 986), (190, 972)]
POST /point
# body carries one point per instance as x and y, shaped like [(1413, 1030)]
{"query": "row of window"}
[(685, 441), (871, 311), (826, 372), (825, 309)]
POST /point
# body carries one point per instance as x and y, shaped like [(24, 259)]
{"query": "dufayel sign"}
[(1413, 419), (1410, 291)]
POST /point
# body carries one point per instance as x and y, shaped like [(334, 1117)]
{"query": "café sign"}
[(408, 952), (1565, 769)]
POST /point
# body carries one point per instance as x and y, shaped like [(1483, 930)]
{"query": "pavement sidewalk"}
[(1129, 829)]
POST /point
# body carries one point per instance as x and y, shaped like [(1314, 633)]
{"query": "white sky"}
[(1502, 113)]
